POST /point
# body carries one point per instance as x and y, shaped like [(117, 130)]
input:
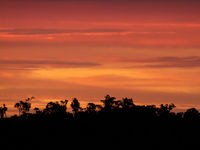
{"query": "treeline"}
[(124, 108), (113, 124)]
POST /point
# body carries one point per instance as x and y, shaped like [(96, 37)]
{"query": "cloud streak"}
[(37, 64), (43, 31), (163, 62)]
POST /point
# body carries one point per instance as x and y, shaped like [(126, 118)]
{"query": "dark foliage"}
[(3, 110), (115, 123)]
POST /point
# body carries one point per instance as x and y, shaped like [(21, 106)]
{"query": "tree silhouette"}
[(37, 110), (64, 105), (56, 107), (91, 107), (165, 110), (167, 107), (3, 110), (108, 102), (75, 106), (127, 103), (192, 114), (111, 109), (24, 106), (114, 120), (99, 107)]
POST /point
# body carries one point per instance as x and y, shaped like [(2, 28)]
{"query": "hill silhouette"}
[(115, 123)]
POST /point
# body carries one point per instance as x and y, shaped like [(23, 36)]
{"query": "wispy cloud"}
[(163, 62), (29, 32), (34, 31), (37, 64)]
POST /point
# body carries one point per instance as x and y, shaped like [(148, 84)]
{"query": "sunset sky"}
[(59, 49)]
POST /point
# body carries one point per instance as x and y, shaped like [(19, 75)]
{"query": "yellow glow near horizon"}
[(60, 74)]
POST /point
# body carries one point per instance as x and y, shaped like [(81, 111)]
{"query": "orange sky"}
[(58, 49)]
